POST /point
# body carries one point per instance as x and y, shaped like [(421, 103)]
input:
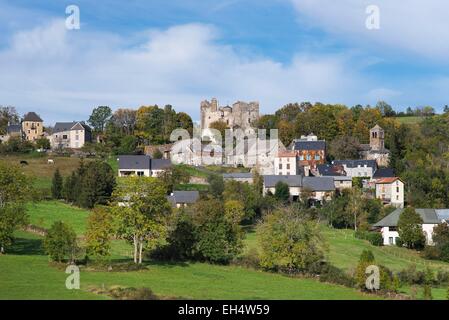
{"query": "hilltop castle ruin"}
[(240, 116)]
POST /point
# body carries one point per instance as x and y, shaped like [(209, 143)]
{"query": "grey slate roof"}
[(429, 216), (14, 128), (238, 175), (356, 163), (67, 126), (384, 173), (135, 162), (318, 183), (329, 170), (159, 164), (292, 181), (187, 197), (309, 145), (32, 116)]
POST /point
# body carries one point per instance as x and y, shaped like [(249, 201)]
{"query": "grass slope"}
[(25, 274), (44, 214)]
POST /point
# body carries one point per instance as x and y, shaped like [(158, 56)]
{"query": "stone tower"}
[(377, 138)]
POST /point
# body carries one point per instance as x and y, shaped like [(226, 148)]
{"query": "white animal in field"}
[(51, 161)]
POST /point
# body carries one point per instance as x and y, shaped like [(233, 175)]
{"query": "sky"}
[(180, 52)]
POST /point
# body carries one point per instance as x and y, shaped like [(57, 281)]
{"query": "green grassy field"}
[(25, 274), (344, 252), (44, 214)]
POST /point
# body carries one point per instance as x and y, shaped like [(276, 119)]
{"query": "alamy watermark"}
[(73, 20), (372, 22), (72, 282), (373, 280)]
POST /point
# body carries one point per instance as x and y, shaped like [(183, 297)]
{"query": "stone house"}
[(390, 191), (32, 127), (71, 135), (285, 163), (310, 152)]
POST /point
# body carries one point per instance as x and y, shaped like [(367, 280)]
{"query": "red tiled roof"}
[(387, 180)]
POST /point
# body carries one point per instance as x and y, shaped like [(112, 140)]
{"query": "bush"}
[(375, 238), (411, 276), (249, 260), (332, 274), (133, 294), (431, 253), (60, 242)]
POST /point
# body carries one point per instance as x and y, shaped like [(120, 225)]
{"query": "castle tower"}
[(377, 138), (214, 105)]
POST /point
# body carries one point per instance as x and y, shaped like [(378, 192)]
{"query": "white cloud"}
[(64, 74), (413, 26)]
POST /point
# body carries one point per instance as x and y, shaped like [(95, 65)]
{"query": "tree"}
[(8, 115), (282, 192), (366, 259), (345, 147), (96, 184), (290, 242), (355, 206), (141, 209), (174, 176), (68, 189), (219, 238), (15, 190), (99, 118), (216, 185), (124, 120), (234, 211), (410, 229), (385, 109), (43, 143), (57, 184), (60, 242), (128, 145), (98, 234), (440, 239)]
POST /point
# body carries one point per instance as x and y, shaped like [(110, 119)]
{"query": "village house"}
[(319, 188), (142, 165), (357, 168), (285, 163), (390, 191), (71, 135), (388, 226), (239, 176), (32, 127), (310, 152), (180, 199)]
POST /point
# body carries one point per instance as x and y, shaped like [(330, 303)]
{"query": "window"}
[(391, 240), (280, 165), (397, 198), (77, 137), (140, 173), (64, 136), (317, 157), (301, 158), (288, 166), (309, 157), (397, 189)]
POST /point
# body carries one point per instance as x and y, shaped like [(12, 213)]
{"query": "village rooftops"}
[(383, 173), (309, 145), (331, 170), (238, 175), (135, 162), (183, 197), (356, 163), (311, 183), (142, 162), (68, 126), (32, 117), (387, 180), (429, 216), (14, 128)]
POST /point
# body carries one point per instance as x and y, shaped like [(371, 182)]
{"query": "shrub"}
[(375, 238), (250, 259), (332, 274), (133, 294), (60, 242)]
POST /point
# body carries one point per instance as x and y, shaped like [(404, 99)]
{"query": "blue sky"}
[(132, 53)]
